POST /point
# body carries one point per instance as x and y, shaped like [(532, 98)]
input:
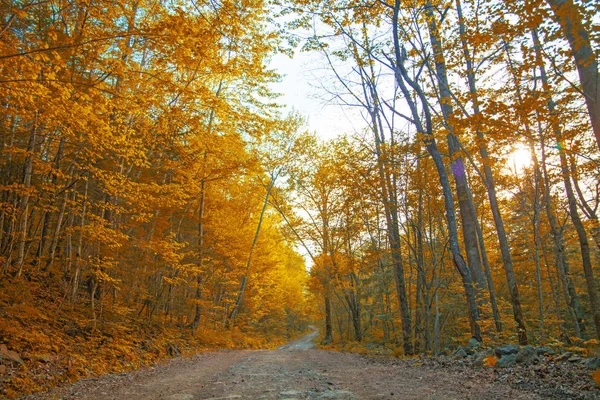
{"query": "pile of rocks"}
[(511, 354)]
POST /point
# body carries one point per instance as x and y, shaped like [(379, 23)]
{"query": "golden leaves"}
[(490, 361)]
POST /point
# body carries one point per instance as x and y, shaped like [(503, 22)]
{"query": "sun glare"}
[(519, 159)]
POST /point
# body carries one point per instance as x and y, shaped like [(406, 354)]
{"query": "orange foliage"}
[(490, 361), (596, 376), (121, 121)]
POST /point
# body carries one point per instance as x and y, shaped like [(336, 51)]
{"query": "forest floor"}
[(299, 371)]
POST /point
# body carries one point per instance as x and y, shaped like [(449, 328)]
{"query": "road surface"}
[(294, 371)]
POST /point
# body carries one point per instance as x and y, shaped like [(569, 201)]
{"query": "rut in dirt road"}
[(295, 371)]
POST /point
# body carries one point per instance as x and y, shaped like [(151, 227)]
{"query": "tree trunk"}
[(48, 214), (56, 234), (198, 308), (589, 212), (490, 281), (572, 202), (564, 274), (491, 191), (78, 253), (571, 21), (328, 325), (436, 327), (242, 290), (537, 236), (401, 77), (467, 210), (583, 241), (24, 206), (390, 203)]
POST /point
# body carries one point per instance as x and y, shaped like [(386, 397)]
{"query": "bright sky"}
[(301, 91)]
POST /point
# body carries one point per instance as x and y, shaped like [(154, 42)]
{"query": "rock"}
[(460, 353), (593, 363), (507, 360), (527, 355), (565, 356), (291, 393), (479, 361), (507, 349), (543, 351), (338, 394), (574, 359), (474, 343), (9, 354), (444, 352)]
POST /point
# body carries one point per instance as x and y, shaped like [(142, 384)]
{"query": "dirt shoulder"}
[(178, 375)]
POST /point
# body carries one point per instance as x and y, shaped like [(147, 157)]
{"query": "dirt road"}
[(306, 342), (295, 371)]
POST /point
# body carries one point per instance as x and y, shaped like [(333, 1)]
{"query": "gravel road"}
[(294, 371)]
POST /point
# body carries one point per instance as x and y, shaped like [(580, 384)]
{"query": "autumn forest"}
[(157, 199)]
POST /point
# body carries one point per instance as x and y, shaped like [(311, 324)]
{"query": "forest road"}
[(294, 371), (304, 343)]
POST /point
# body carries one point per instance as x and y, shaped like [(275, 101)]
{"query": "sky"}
[(301, 90)]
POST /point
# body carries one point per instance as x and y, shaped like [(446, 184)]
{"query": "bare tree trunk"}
[(391, 215), (401, 77), (572, 202), (78, 255), (564, 274), (8, 224), (24, 206), (353, 300), (328, 324), (571, 21), (537, 236), (56, 234), (491, 190), (198, 308), (421, 301), (490, 281), (436, 327), (467, 210), (583, 241), (93, 301), (240, 297), (590, 213), (555, 291), (48, 214)]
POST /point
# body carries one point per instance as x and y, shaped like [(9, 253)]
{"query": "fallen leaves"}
[(490, 361)]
